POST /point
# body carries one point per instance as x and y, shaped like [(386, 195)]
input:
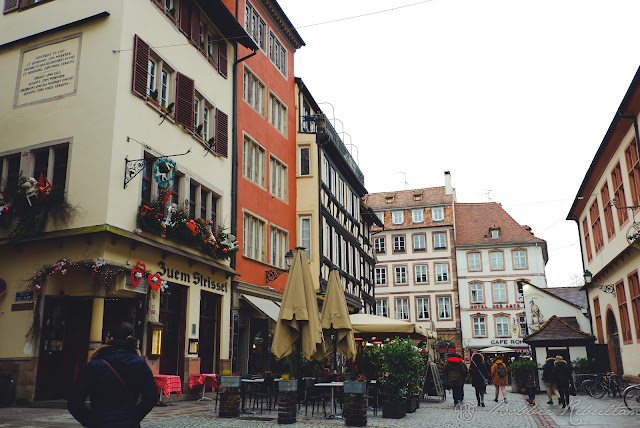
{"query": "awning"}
[(267, 307), (375, 324)]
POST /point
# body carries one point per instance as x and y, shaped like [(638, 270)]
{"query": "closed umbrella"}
[(335, 318), (299, 317)]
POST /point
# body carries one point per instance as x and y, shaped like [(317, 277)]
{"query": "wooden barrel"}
[(355, 410), (229, 404), (287, 408)]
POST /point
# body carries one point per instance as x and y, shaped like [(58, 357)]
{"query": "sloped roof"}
[(573, 295), (473, 221), (556, 329), (407, 198)]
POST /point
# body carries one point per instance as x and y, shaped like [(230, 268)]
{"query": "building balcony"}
[(329, 138)]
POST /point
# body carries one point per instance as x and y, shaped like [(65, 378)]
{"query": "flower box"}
[(351, 387), (230, 381), (396, 409)]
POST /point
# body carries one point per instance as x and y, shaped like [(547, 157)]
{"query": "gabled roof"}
[(408, 198), (558, 330), (473, 221), (573, 295)]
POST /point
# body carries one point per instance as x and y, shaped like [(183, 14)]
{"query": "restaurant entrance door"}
[(208, 349), (172, 315), (64, 345)]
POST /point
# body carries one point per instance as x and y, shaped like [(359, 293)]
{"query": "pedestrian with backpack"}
[(499, 374)]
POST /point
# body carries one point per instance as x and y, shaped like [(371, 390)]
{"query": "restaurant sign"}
[(194, 277)]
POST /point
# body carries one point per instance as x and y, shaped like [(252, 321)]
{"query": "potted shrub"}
[(415, 367), (230, 397), (371, 362), (287, 382), (395, 377), (228, 380)]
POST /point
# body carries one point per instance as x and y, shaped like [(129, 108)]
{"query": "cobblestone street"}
[(585, 412)]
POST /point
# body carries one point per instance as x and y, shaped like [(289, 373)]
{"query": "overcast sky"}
[(513, 97)]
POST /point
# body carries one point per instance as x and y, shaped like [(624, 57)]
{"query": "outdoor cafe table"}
[(333, 398), (168, 384), (200, 379), (245, 383)]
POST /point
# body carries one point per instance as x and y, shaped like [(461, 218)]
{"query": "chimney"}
[(448, 190)]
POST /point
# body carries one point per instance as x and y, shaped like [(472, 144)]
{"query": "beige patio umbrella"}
[(299, 316), (335, 319)]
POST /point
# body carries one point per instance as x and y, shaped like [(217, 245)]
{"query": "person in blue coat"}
[(114, 380)]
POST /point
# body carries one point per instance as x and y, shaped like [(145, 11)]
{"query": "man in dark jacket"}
[(562, 373), (455, 373), (113, 380), (549, 380)]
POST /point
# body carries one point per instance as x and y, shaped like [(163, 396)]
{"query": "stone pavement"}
[(584, 412)]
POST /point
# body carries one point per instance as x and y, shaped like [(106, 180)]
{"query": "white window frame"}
[(279, 240), (305, 235), (499, 292), (497, 260), (381, 275), (439, 241), (380, 215), (423, 311), (417, 215), (379, 244), (254, 229), (382, 307), (402, 308), (400, 275), (444, 307), (519, 259), (479, 326), (472, 267), (399, 244), (437, 213), (397, 217), (502, 326), (421, 274), (302, 162), (442, 272), (278, 178), (522, 324), (255, 26), (278, 114), (419, 237), (278, 53), (254, 162), (253, 91), (477, 292)]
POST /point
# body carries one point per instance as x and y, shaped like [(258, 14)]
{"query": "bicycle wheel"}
[(586, 385), (631, 397), (597, 390)]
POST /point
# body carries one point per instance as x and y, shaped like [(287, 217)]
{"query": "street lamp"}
[(273, 274), (607, 288)]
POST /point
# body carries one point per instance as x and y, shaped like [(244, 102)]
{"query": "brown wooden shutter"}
[(10, 5), (185, 94), (184, 19), (222, 58), (195, 25), (222, 133), (140, 67)]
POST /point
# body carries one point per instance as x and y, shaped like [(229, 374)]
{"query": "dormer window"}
[(417, 197), (494, 233), (389, 199)]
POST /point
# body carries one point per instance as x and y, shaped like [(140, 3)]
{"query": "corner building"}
[(104, 101)]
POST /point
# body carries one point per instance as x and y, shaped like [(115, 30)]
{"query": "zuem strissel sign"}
[(194, 277)]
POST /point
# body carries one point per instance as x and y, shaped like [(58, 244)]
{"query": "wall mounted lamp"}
[(607, 288), (273, 274)]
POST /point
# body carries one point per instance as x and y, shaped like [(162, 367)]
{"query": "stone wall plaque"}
[(48, 71)]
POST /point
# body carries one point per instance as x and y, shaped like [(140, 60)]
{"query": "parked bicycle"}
[(584, 382), (609, 383), (631, 397)]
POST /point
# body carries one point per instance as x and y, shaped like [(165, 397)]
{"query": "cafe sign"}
[(193, 277)]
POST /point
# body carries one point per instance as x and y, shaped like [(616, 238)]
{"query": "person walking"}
[(549, 379), (562, 373), (455, 373), (499, 374), (479, 377), (114, 379)]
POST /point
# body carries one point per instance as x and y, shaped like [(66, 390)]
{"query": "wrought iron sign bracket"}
[(135, 166), (272, 275), (607, 288)]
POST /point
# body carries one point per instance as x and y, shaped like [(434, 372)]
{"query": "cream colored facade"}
[(92, 112), (605, 210)]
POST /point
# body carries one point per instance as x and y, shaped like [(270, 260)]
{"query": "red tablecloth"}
[(169, 384), (199, 379)]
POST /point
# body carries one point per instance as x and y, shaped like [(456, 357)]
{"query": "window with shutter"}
[(185, 17), (140, 67), (222, 58), (222, 123), (195, 25), (10, 5), (185, 95)]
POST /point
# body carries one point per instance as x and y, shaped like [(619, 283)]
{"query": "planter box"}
[(412, 404), (394, 409), (351, 387), (288, 385), (230, 381)]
